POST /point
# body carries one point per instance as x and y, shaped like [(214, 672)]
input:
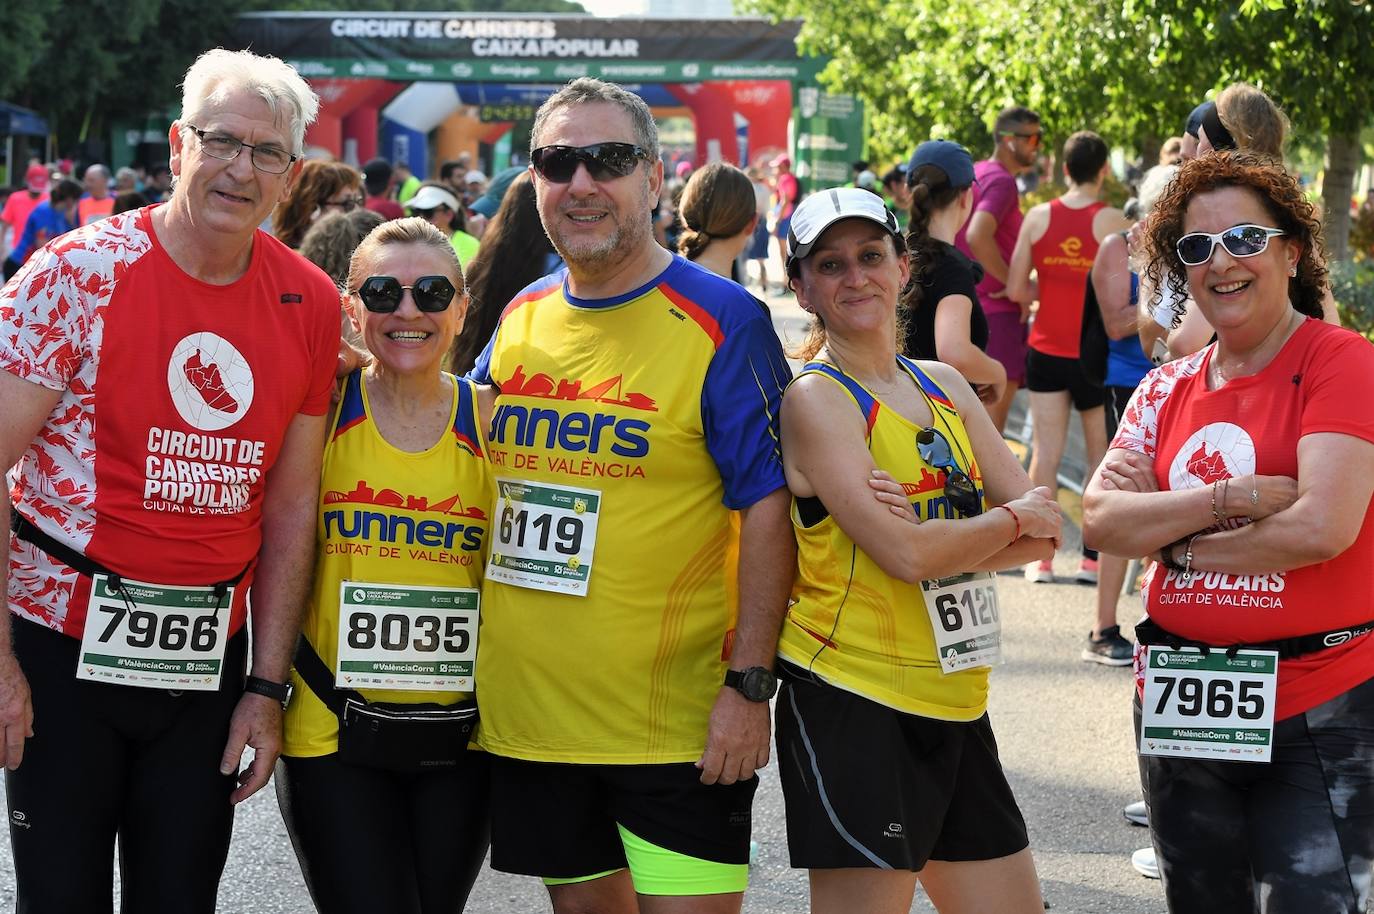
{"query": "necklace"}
[(1261, 356)]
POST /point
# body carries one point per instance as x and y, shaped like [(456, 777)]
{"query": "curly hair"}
[(717, 202), (318, 181), (1278, 192)]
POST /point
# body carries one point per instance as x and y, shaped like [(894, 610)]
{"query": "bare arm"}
[(280, 588), (737, 738), (1111, 279), (1192, 333), (982, 242), (825, 455), (24, 408), (956, 349), (1020, 287), (1126, 514), (1335, 482)]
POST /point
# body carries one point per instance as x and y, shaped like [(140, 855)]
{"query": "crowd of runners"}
[(532, 526)]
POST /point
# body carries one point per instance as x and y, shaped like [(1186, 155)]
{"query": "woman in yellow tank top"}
[(888, 762), (386, 806)]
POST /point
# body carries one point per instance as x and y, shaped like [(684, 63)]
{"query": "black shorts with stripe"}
[(868, 786)]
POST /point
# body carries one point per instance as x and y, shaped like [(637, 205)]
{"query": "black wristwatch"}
[(756, 683), (279, 691)]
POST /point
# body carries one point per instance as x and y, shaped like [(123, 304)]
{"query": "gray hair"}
[(588, 90), (1153, 185), (100, 171), (218, 72)]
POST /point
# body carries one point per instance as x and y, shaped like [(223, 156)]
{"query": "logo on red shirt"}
[(210, 381)]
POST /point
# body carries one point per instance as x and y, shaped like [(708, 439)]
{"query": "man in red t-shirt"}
[(204, 352), (21, 203), (1059, 241), (990, 236)]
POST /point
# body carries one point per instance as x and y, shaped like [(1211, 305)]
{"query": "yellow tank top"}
[(389, 517), (850, 623)]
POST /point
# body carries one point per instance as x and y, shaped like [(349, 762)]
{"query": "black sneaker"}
[(1109, 650)]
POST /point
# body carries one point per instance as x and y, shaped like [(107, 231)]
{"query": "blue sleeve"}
[(481, 369), (740, 402)]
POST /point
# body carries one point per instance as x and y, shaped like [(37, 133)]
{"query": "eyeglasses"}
[(1032, 139), (959, 488), (382, 294), (1196, 248), (604, 161), (272, 159), (348, 204)]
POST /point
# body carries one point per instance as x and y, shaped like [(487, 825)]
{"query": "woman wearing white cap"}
[(438, 206), (888, 762)]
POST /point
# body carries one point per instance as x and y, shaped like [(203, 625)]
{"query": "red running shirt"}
[(176, 396), (1321, 381), (1063, 257)]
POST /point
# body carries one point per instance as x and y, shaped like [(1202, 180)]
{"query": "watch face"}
[(758, 684)]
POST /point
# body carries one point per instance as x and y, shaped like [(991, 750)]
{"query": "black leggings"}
[(371, 840), (109, 760), (1294, 836)]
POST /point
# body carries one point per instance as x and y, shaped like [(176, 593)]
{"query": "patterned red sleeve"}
[(44, 320), (1140, 421)]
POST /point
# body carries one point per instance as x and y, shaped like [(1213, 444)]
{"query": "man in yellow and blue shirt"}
[(641, 549)]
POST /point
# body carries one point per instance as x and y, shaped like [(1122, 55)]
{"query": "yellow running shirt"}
[(850, 623), (626, 432), (387, 516)]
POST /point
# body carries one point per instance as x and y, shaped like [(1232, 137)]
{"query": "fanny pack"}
[(386, 735), (1147, 632), (26, 531)]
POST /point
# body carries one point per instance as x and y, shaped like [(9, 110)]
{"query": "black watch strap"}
[(756, 683), (279, 691)]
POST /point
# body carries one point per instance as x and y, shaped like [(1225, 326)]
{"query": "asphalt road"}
[(1063, 726)]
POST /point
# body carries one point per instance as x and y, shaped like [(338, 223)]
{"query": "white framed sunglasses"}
[(1196, 248)]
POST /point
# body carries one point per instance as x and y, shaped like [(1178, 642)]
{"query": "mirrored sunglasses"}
[(960, 489), (1196, 248), (604, 161)]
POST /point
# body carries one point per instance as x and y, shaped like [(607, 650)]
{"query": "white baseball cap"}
[(431, 197), (821, 210), (474, 177)]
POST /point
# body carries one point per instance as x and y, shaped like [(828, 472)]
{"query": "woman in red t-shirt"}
[(1276, 563)]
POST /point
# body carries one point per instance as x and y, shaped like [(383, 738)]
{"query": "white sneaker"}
[(1040, 572), (1145, 863), (1136, 813)]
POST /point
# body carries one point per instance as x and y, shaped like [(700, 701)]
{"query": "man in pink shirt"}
[(990, 236), (21, 203)]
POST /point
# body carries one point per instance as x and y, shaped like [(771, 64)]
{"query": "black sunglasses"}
[(1197, 248), (604, 161), (959, 488), (382, 294)]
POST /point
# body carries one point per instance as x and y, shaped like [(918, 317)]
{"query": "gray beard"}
[(614, 249)]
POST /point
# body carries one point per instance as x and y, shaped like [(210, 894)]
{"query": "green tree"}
[(1129, 69), (22, 42)]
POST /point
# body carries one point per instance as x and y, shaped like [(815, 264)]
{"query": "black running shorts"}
[(1051, 374), (869, 786), (560, 821)]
